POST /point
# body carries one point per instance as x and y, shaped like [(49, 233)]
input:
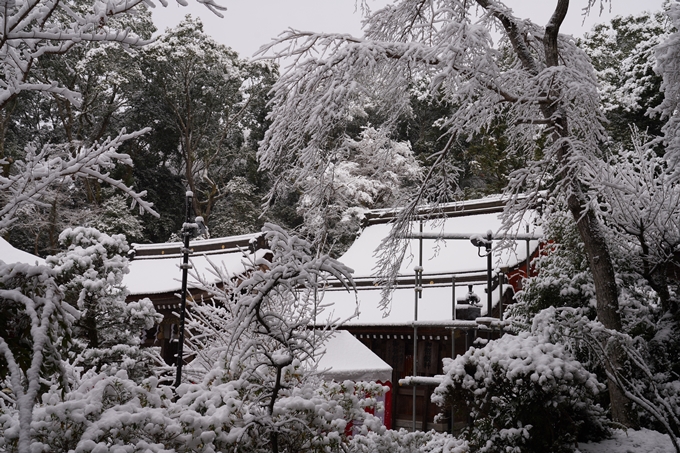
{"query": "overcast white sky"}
[(248, 24)]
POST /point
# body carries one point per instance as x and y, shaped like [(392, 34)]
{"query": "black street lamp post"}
[(187, 233)]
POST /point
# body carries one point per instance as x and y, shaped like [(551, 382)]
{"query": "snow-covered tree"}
[(638, 206), (115, 217), (668, 58), (370, 172), (538, 82), (32, 29), (200, 93), (622, 53), (35, 30), (239, 211), (642, 203)]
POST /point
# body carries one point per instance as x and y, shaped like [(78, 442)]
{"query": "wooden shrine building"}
[(452, 307)]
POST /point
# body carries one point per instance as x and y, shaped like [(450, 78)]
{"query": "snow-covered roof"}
[(160, 273), (9, 255), (452, 256), (436, 305), (348, 358), (206, 246), (442, 260)]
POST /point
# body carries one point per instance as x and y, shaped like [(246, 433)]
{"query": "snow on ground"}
[(630, 441)]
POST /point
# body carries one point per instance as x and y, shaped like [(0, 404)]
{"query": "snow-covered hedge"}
[(115, 414), (523, 394), (403, 441)]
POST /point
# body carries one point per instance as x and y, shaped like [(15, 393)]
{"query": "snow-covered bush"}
[(100, 412), (523, 393), (108, 333), (403, 441), (34, 328), (56, 319), (654, 393), (104, 413), (309, 416)]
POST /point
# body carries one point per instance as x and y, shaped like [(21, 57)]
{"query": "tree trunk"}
[(606, 291), (607, 296)]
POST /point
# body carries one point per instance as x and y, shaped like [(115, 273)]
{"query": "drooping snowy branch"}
[(446, 43), (33, 28)]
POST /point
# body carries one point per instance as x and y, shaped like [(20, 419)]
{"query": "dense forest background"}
[(207, 109)]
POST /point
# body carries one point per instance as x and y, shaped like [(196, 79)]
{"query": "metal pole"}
[(453, 334), (528, 254), (501, 278), (186, 233), (453, 297), (488, 273), (418, 295)]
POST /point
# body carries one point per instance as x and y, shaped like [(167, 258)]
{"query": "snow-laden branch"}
[(52, 164), (30, 29), (642, 200), (263, 315)]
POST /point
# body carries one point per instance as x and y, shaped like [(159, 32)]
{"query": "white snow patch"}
[(631, 441)]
